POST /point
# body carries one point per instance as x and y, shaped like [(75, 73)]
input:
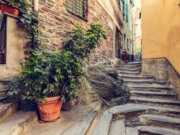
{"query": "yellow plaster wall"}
[(161, 30), (173, 33)]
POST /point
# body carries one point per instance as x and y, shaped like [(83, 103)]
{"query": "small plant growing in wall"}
[(54, 77)]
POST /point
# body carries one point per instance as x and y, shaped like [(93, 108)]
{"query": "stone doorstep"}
[(104, 123), (154, 100), (18, 123), (158, 130), (6, 110), (117, 128), (160, 118)]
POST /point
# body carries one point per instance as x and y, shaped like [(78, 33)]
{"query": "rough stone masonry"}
[(57, 21)]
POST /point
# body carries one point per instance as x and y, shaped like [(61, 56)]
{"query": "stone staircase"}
[(153, 109)]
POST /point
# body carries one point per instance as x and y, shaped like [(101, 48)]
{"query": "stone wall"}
[(162, 69), (57, 21)]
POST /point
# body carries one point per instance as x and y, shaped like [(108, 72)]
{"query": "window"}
[(127, 12), (121, 4), (124, 9), (132, 2), (77, 7)]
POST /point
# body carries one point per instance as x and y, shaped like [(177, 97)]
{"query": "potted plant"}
[(11, 6), (35, 84), (50, 78)]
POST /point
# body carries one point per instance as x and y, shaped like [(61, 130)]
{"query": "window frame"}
[(79, 16)]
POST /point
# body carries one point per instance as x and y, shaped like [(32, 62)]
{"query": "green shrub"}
[(57, 74)]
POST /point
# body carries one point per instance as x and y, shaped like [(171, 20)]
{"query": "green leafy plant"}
[(57, 74), (81, 44)]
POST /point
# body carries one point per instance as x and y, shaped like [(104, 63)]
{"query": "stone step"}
[(154, 85), (128, 69), (127, 80), (18, 123), (125, 76), (144, 81), (131, 66), (127, 108), (160, 118), (117, 128), (169, 101), (103, 125), (6, 110), (131, 131), (151, 89), (153, 93), (137, 62), (170, 109), (158, 130), (148, 84), (128, 72), (131, 108)]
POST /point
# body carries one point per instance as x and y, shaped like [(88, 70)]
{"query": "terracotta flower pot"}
[(50, 110), (5, 8)]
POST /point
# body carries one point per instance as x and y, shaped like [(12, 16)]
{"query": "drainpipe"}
[(36, 5)]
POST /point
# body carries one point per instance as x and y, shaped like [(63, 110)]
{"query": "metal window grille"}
[(77, 7)]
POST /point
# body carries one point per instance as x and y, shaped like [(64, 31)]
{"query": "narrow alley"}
[(89, 67)]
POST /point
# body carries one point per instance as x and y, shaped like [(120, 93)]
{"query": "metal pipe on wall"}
[(36, 4)]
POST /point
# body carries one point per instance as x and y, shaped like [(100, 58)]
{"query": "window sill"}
[(82, 18)]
